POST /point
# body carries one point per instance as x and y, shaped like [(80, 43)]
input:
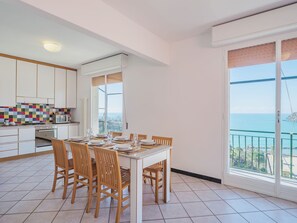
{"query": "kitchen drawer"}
[(10, 146), (44, 148), (26, 134), (8, 153), (8, 139), (26, 147), (8, 132)]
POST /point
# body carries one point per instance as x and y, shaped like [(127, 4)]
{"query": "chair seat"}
[(154, 168)]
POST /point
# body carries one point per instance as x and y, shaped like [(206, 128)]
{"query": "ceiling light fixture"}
[(52, 47)]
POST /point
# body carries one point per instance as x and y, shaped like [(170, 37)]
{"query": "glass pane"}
[(115, 112), (289, 121), (252, 118), (115, 88), (101, 97), (101, 118)]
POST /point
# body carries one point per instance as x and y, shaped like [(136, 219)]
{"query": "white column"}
[(167, 171), (136, 191)]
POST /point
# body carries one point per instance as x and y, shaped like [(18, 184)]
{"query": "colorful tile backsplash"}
[(30, 113)]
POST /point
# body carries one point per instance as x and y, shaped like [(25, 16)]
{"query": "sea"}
[(247, 124)]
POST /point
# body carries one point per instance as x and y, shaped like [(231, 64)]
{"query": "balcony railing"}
[(254, 151)]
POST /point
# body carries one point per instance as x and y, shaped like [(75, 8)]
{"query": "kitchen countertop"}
[(28, 125)]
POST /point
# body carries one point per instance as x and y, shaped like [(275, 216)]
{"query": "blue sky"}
[(115, 102), (260, 97)]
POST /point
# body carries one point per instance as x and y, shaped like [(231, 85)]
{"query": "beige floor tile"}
[(154, 221), (207, 195), (173, 211), (57, 194), (205, 219), (198, 186), (293, 211), (197, 209), (50, 205), (13, 218), (256, 217), (17, 180), (284, 204), (7, 187), (245, 193), (231, 218), (240, 205), (46, 217), (227, 194), (179, 220), (69, 216), (173, 199), (102, 218), (2, 194), (14, 196), (80, 203), (176, 179), (36, 195), (262, 204), (219, 207), (25, 186), (281, 216), (125, 216), (180, 187), (24, 207), (214, 186), (6, 205), (148, 199), (151, 212), (189, 179), (187, 196)]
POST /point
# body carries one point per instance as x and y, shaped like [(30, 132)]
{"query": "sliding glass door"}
[(263, 117)]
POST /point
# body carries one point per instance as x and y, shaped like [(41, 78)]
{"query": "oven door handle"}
[(46, 130)]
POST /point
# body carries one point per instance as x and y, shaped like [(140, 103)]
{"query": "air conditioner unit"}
[(107, 65)]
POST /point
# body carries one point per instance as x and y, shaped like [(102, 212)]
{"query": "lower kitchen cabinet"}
[(26, 147), (73, 131), (62, 132)]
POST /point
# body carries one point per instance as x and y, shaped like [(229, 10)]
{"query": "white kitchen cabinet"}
[(8, 82), (26, 147), (73, 131), (45, 81), (71, 89), (60, 88), (26, 134), (26, 79), (26, 140), (8, 153), (62, 132)]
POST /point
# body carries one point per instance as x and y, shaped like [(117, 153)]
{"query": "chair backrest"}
[(108, 168), (163, 140), (140, 136), (114, 134), (81, 159), (60, 153)]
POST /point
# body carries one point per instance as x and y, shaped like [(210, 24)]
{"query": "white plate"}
[(147, 142), (121, 138), (102, 135), (123, 147), (96, 142)]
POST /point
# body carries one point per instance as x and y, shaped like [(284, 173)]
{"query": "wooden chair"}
[(114, 134), (154, 172), (62, 165), (84, 168), (111, 179), (140, 136)]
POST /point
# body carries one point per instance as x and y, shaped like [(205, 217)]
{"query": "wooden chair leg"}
[(157, 187), (74, 189), (90, 190), (65, 184), (98, 197), (55, 179), (119, 209), (151, 178)]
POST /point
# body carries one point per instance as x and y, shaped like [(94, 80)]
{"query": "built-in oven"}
[(43, 135)]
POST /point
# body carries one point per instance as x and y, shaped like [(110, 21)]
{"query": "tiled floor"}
[(25, 196)]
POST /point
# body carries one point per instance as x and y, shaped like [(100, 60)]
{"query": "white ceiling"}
[(179, 19), (23, 31)]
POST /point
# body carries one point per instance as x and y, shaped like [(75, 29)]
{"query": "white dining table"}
[(136, 162)]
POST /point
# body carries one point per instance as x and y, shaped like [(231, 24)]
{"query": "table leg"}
[(136, 191), (166, 182)]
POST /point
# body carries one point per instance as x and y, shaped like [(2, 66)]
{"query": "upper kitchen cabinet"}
[(71, 89), (26, 79), (45, 82), (60, 88), (8, 81)]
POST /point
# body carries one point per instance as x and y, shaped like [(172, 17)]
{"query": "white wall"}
[(183, 100)]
